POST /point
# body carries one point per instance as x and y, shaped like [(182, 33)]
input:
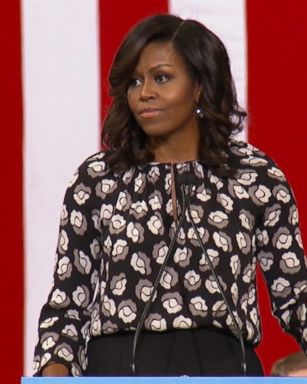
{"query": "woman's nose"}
[(147, 90)]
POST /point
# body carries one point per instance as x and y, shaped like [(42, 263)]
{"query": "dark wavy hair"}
[(207, 61)]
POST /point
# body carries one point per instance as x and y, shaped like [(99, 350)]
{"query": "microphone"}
[(157, 280), (187, 181)]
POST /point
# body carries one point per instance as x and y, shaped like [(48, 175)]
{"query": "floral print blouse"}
[(115, 231)]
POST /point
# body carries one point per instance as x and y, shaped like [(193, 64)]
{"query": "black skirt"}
[(193, 352)]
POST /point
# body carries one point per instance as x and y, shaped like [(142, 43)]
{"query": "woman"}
[(160, 232)]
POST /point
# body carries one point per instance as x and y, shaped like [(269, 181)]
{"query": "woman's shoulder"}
[(249, 159), (94, 167), (248, 152), (95, 158)]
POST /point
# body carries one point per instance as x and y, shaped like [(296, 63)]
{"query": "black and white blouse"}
[(115, 231)]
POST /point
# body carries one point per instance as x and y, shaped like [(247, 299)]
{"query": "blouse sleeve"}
[(281, 256), (65, 318)]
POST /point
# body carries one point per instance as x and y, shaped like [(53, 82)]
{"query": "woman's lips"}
[(149, 113)]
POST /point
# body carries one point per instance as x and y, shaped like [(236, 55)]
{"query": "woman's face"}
[(162, 94)]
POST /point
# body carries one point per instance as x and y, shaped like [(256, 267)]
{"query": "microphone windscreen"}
[(187, 179)]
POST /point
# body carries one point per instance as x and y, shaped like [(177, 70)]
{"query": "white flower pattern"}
[(115, 231)]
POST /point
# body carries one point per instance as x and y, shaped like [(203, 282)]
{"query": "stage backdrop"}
[(55, 59)]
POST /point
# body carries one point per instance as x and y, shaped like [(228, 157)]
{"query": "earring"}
[(199, 112)]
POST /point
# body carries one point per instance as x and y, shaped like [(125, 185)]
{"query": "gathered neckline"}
[(160, 163)]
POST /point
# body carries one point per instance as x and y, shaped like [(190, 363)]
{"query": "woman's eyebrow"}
[(159, 66), (155, 67)]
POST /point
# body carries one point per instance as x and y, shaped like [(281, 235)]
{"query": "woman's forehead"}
[(157, 53)]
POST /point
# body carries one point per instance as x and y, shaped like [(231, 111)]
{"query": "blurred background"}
[(55, 58)]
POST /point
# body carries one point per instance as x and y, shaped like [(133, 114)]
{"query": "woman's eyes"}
[(134, 82), (160, 79)]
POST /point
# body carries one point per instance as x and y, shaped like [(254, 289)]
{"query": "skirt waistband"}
[(190, 352)]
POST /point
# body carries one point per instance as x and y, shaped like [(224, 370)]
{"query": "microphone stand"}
[(187, 192), (157, 280), (186, 189)]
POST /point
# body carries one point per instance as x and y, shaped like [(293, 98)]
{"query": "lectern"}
[(164, 380)]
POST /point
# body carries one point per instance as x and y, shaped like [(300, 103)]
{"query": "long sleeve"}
[(114, 235), (65, 318), (281, 255)]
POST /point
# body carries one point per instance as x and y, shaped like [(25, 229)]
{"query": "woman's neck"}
[(172, 150)]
